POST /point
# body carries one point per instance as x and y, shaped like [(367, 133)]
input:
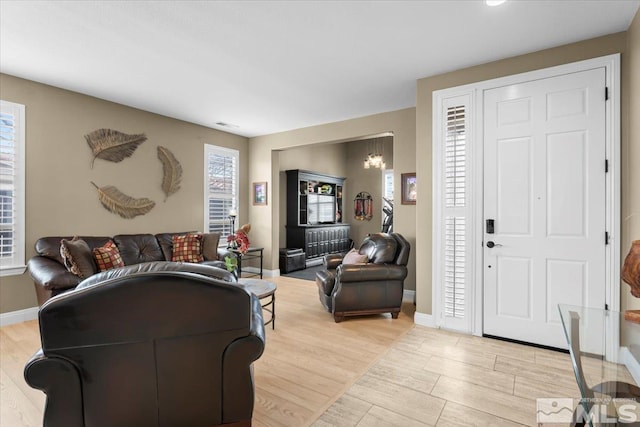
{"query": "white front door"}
[(544, 188)]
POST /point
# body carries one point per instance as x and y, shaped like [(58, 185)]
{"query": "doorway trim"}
[(474, 304)]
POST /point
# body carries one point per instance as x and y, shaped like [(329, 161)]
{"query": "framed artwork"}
[(259, 193), (409, 188)]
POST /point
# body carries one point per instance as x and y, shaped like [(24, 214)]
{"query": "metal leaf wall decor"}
[(119, 203), (112, 145), (172, 172)]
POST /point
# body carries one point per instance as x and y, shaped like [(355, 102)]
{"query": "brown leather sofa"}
[(374, 287), (151, 348), (51, 277)]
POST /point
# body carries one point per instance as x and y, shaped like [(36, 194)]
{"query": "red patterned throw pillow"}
[(187, 248), (108, 256)]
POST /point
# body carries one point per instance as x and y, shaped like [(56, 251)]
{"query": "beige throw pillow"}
[(353, 257), (210, 246), (77, 257)]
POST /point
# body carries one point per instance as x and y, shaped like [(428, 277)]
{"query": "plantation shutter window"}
[(12, 188), (453, 275), (221, 189)]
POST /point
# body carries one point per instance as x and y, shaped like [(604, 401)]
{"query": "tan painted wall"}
[(631, 156), (61, 200), (369, 180), (600, 46), (264, 164)]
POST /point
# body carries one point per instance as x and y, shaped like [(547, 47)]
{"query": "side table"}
[(263, 289), (252, 253)]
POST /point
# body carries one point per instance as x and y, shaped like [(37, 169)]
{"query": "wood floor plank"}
[(411, 403), (380, 417), (497, 347), (16, 410), (473, 374), (453, 352), (456, 415), (503, 405), (532, 388), (547, 374), (347, 411), (404, 375)]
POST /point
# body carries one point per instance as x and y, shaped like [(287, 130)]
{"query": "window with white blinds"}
[(221, 189), (455, 157), (454, 194), (12, 188), (454, 211)]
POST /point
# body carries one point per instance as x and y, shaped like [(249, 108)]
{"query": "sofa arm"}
[(332, 261), (50, 274), (237, 375), (370, 272), (60, 381)]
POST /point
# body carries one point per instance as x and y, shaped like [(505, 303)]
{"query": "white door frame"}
[(611, 63)]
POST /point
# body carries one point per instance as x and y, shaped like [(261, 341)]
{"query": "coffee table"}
[(263, 289)]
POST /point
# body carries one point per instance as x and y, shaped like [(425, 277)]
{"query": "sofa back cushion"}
[(50, 246), (380, 248), (137, 248)]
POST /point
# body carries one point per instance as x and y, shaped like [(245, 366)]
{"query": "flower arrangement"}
[(240, 239)]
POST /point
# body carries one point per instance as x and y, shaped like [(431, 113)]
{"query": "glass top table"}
[(602, 343)]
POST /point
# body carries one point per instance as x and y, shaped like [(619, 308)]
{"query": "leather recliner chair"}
[(374, 287), (153, 348)]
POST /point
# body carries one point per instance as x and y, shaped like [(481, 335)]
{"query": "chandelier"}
[(374, 159)]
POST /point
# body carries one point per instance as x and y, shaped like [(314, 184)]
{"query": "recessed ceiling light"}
[(494, 2)]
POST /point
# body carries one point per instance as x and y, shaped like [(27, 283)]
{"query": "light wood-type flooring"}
[(369, 371)]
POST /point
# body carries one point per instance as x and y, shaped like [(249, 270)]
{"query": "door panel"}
[(514, 287), (514, 180), (566, 184), (544, 184)]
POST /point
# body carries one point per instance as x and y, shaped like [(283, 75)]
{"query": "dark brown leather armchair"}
[(375, 287), (155, 348)]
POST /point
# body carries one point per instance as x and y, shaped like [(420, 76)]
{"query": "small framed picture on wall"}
[(409, 188), (259, 193)]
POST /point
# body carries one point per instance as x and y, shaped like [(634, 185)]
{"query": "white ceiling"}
[(270, 66)]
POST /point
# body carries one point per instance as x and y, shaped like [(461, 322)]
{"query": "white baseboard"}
[(270, 273), (18, 316), (409, 296), (632, 364), (424, 319)]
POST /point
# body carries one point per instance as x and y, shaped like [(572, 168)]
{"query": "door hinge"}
[(606, 237), (606, 165), (606, 306), (606, 93)]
